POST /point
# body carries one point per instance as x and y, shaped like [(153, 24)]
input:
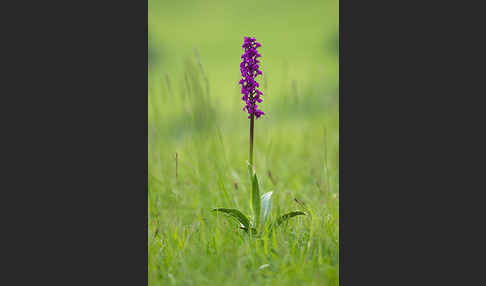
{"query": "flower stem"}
[(252, 124)]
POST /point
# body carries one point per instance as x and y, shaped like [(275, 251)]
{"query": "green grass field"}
[(195, 112)]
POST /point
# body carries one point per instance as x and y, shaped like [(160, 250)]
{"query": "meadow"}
[(198, 142)]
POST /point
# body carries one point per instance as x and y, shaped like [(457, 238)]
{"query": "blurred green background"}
[(299, 38), (195, 111)]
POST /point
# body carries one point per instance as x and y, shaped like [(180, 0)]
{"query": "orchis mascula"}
[(249, 71), (260, 206), (251, 95)]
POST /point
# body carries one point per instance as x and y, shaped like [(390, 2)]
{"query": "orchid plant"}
[(260, 206)]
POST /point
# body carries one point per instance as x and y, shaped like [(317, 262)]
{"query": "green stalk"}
[(252, 126)]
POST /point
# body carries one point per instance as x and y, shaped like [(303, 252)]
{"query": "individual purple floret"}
[(249, 71)]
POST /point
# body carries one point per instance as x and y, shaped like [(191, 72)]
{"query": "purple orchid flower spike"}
[(249, 71), (249, 68)]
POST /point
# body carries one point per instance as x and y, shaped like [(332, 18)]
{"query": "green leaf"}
[(255, 200), (250, 169), (236, 214), (286, 217), (253, 231), (266, 206)]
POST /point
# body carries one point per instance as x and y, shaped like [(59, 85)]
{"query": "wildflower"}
[(260, 205), (249, 68)]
